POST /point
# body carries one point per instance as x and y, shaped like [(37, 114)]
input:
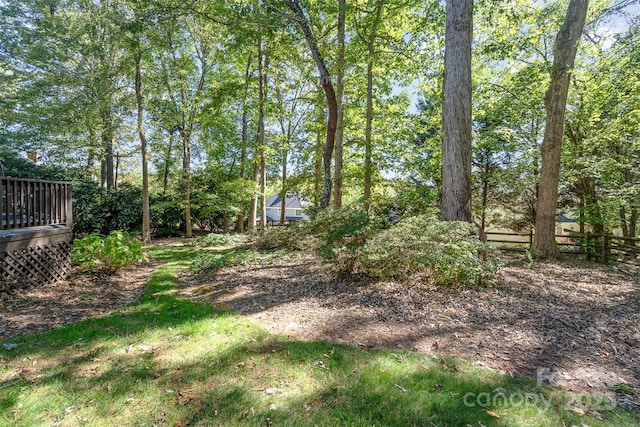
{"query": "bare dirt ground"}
[(574, 324)]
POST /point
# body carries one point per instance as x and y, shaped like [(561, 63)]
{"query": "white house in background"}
[(293, 211)]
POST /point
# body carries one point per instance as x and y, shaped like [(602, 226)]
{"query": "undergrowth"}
[(169, 361)]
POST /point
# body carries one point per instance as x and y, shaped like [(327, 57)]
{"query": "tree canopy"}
[(227, 103)]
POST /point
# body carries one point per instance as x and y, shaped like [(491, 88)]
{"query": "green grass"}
[(168, 361)]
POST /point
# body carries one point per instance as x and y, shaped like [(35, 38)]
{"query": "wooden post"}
[(2, 203), (530, 239), (605, 248), (68, 190), (586, 246)]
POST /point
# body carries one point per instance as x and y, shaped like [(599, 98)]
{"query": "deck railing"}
[(26, 203)]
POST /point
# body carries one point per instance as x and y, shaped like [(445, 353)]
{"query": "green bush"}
[(448, 252), (100, 210), (209, 262), (294, 238), (166, 215), (342, 235), (214, 239), (118, 249)]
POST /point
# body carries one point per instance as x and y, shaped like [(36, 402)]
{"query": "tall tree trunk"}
[(485, 191), (330, 94), (317, 176), (107, 177), (585, 186), (167, 163), (456, 112), (116, 170), (253, 204), (186, 180), (283, 189), (262, 72), (263, 191), (146, 228), (566, 46), (89, 175), (245, 141), (337, 192), (368, 143)]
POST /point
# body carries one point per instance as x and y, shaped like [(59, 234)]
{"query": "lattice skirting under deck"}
[(35, 265)]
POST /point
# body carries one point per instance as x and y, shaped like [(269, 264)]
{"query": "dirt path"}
[(575, 323)]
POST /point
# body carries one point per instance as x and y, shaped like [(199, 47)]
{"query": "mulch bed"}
[(81, 296), (574, 324)]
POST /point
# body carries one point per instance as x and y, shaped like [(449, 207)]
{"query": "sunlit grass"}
[(169, 361)]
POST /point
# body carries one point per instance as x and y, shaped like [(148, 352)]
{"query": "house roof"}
[(563, 218), (275, 201)]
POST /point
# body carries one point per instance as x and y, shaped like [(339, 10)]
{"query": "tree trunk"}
[(317, 177), (146, 228), (186, 181), (337, 192), (253, 204), (262, 82), (456, 112), (245, 141), (263, 190), (566, 46), (89, 175), (585, 186), (167, 163), (283, 189), (107, 177), (368, 143), (332, 104)]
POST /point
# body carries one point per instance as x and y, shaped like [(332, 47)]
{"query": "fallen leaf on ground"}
[(493, 414)]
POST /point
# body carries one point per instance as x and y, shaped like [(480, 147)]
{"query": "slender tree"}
[(566, 47), (337, 195), (146, 228), (330, 94)]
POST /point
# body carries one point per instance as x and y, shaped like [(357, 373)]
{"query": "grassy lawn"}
[(168, 361)]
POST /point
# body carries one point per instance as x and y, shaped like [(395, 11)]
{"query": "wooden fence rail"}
[(603, 248), (26, 203)]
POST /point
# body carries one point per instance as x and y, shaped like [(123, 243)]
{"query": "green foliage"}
[(166, 215), (211, 262), (343, 233), (215, 239), (295, 238), (18, 167), (164, 360), (449, 252), (100, 210), (118, 249)]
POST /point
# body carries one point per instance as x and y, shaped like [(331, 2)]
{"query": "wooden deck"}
[(35, 232)]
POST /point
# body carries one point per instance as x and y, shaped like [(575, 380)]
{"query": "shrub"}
[(294, 238), (447, 251), (100, 210), (166, 215), (343, 233), (214, 239), (209, 263), (118, 249)]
